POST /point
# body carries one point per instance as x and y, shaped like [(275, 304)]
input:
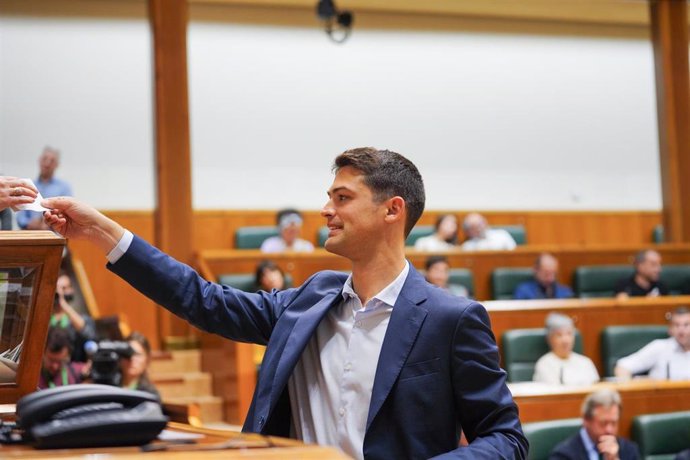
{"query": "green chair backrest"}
[(252, 237), (245, 281), (599, 280), (322, 236), (675, 277), (462, 276), (544, 436), (516, 231), (521, 348), (658, 234), (505, 280), (417, 232), (659, 434), (620, 341), (242, 281)]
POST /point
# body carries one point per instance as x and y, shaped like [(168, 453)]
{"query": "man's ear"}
[(395, 209)]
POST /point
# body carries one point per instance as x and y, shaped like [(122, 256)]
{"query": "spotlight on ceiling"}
[(338, 24)]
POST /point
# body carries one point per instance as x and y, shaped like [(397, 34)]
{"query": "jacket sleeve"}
[(488, 415), (229, 312)]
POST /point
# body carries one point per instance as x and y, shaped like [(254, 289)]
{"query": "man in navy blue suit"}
[(597, 439), (380, 363)]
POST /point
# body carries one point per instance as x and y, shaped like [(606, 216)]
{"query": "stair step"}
[(183, 384), (206, 409), (164, 362)]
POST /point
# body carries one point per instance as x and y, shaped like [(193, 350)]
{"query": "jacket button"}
[(261, 422)]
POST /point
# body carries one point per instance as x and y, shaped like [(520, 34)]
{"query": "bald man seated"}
[(545, 284)]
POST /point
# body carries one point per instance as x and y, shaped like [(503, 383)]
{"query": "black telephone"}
[(89, 415)]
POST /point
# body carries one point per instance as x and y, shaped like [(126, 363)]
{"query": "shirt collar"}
[(388, 295), (589, 445)]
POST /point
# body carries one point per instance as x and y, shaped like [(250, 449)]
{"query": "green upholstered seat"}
[(516, 231), (521, 348), (252, 237), (417, 232), (243, 281), (599, 280), (505, 280), (463, 277), (658, 234), (543, 437), (620, 341), (322, 236), (675, 277), (661, 435)]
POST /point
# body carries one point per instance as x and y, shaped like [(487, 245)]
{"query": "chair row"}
[(588, 281), (521, 348), (252, 237), (658, 436)]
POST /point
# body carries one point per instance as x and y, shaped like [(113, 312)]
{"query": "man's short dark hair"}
[(682, 310), (641, 256), (433, 260), (58, 340), (388, 174)]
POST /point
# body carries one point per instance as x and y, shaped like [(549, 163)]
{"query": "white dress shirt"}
[(495, 239), (330, 387), (432, 243), (663, 358), (576, 370)]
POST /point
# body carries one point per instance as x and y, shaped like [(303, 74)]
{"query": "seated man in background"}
[(562, 365), (545, 284), (79, 328), (438, 273), (482, 238), (289, 223), (645, 281), (597, 439), (48, 185), (662, 358), (57, 368), (134, 370), (269, 276), (444, 238)]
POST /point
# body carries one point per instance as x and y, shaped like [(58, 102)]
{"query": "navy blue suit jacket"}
[(438, 368), (574, 449)]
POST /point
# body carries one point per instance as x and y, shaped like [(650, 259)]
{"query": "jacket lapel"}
[(305, 327), (406, 320)]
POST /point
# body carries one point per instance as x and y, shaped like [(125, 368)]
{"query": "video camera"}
[(105, 356)]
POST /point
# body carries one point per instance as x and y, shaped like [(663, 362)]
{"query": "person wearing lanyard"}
[(80, 328), (135, 369), (56, 369)]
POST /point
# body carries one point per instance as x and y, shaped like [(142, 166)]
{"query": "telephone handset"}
[(89, 415)]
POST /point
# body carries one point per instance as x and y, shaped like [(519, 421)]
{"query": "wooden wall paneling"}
[(669, 25)]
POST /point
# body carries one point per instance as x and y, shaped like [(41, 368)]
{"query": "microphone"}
[(561, 375), (90, 348)]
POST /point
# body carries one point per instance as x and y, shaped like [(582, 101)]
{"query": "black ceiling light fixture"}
[(338, 23)]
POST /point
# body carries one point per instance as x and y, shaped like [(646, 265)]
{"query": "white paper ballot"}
[(35, 205)]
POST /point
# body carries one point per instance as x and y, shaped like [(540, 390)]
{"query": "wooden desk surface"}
[(540, 402), (207, 448)]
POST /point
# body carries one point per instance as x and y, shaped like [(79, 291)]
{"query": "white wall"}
[(494, 121)]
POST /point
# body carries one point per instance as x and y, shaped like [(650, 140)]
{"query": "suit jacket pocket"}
[(420, 368)]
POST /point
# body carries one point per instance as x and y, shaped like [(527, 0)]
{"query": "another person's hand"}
[(74, 219), (622, 373), (15, 191), (608, 447)]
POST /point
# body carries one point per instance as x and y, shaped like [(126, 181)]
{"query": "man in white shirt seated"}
[(482, 238), (290, 224), (662, 358), (562, 365)]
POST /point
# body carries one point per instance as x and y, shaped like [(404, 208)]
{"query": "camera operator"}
[(135, 369), (79, 328)]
